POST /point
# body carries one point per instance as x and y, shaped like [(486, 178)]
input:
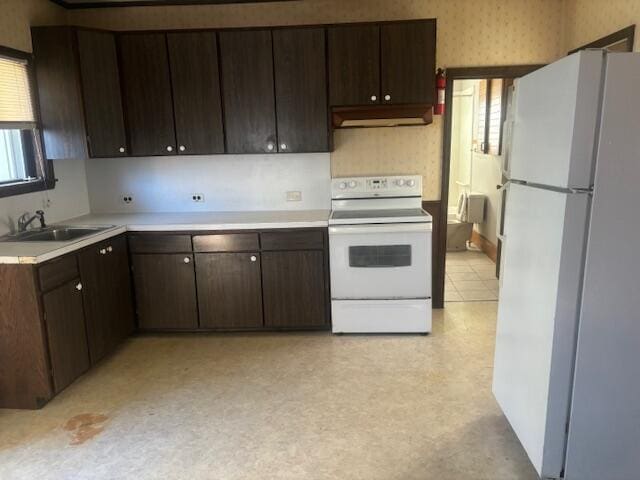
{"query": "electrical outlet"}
[(294, 196), (197, 197), (127, 198)]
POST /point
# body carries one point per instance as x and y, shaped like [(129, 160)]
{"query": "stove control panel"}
[(370, 187)]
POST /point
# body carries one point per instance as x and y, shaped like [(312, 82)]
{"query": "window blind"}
[(495, 116), (16, 105)]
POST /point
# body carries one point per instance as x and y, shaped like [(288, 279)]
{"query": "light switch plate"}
[(294, 196)]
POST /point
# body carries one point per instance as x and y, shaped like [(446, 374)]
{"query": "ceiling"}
[(136, 3)]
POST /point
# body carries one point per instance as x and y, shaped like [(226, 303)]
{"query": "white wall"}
[(228, 182), (486, 174), (68, 199)]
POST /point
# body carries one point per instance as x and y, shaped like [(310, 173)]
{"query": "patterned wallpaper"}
[(470, 32), (588, 20), (16, 16)]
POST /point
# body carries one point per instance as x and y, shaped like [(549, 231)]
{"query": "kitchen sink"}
[(58, 233)]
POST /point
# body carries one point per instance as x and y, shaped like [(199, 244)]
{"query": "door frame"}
[(462, 73)]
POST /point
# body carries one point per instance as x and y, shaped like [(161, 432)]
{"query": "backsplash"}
[(226, 183), (366, 151)]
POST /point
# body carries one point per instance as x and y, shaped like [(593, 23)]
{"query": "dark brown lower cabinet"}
[(165, 290), (64, 318), (229, 290), (108, 305), (294, 289)]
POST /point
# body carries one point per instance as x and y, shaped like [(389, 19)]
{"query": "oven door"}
[(390, 261)]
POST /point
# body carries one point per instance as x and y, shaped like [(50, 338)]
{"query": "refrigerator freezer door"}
[(604, 434), (537, 318), (555, 122)]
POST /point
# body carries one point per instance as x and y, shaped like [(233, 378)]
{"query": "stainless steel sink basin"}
[(57, 233)]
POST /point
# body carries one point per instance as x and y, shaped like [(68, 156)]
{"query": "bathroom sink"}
[(58, 233)]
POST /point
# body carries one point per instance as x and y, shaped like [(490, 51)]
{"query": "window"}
[(490, 117), (22, 165)]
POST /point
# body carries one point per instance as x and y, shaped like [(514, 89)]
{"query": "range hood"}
[(381, 116)]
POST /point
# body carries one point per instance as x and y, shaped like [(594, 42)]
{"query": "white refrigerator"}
[(567, 357)]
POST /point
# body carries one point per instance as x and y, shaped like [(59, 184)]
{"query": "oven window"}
[(380, 256)]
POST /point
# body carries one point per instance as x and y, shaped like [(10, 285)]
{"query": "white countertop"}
[(38, 252)]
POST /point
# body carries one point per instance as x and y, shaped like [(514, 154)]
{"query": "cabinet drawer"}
[(57, 272), (152, 243), (294, 240), (226, 242)]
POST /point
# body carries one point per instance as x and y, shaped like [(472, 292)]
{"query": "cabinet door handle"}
[(283, 146), (253, 258), (186, 260), (121, 149), (169, 148), (182, 148), (109, 249), (374, 98), (387, 97), (102, 251), (270, 146), (79, 286)]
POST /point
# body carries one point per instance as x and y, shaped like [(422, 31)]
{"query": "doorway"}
[(477, 101)]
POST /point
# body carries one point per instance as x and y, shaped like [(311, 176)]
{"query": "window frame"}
[(30, 138)]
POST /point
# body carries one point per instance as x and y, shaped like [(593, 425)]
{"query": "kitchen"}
[(252, 200)]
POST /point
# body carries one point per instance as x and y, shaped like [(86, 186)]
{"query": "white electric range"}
[(380, 255)]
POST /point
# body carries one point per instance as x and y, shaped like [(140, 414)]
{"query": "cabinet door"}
[(354, 65), (101, 91), (146, 85), (408, 62), (301, 90), (229, 292), (107, 296), (294, 289), (60, 98), (165, 288), (196, 92), (246, 60), (64, 318)]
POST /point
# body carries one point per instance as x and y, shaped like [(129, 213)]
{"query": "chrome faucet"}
[(25, 219)]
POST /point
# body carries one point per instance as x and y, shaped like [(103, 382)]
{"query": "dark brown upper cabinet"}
[(354, 65), (408, 62), (60, 97), (390, 63), (146, 86), (246, 61), (101, 92), (196, 92), (301, 89)]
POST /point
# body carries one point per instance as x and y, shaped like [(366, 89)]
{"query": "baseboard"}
[(485, 245)]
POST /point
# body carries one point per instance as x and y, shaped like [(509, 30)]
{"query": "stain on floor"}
[(85, 426)]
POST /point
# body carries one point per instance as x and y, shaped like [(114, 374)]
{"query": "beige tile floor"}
[(470, 276), (279, 406)]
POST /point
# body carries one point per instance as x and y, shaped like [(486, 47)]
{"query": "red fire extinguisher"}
[(441, 84)]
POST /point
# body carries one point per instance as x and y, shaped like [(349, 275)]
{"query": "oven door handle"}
[(380, 228)]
